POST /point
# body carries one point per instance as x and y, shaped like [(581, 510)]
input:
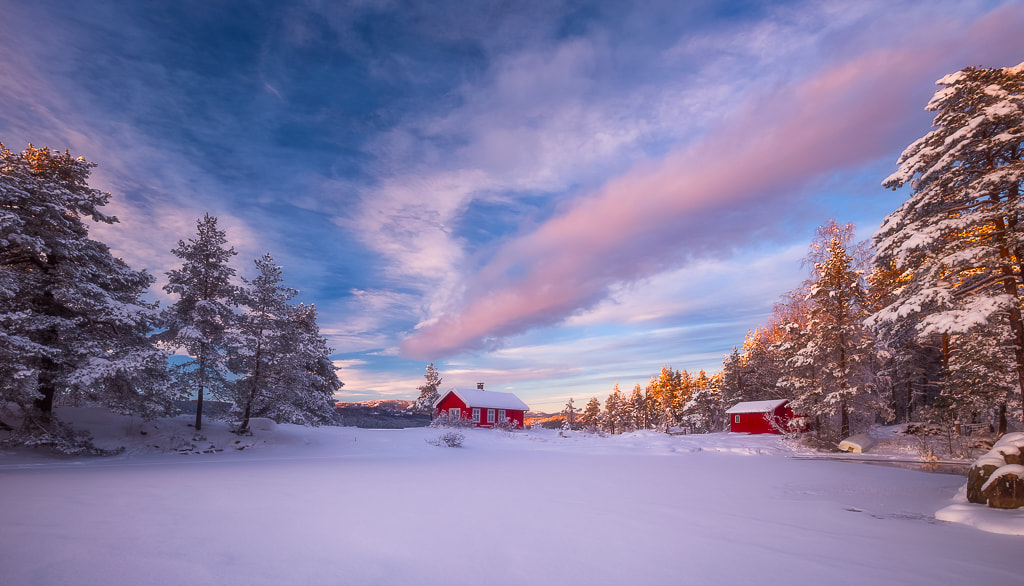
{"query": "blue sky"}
[(550, 197)]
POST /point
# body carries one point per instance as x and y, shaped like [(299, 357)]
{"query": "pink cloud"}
[(695, 201)]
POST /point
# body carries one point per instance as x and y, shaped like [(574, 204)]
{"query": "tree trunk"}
[(844, 423), (202, 383), (910, 400), (1010, 287), (1002, 419)]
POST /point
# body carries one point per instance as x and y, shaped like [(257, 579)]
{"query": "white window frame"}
[(490, 416), (476, 415), (501, 416), (455, 412), (735, 418)]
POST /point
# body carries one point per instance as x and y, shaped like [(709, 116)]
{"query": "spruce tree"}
[(72, 317), (200, 320)]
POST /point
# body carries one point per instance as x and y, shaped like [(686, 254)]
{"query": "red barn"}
[(761, 417), (484, 408)]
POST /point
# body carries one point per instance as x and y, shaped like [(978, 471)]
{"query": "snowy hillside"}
[(293, 505)]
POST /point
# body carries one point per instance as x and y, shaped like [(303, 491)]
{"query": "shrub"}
[(448, 439), (446, 420)]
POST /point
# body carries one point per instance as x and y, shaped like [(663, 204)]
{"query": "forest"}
[(921, 323), (76, 326)]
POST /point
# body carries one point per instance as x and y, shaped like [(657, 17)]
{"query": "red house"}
[(484, 408), (761, 417)]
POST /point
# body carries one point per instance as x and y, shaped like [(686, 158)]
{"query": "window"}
[(735, 418), (454, 412), (501, 415), (490, 416), (476, 415)]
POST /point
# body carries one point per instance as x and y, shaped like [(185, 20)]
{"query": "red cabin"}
[(483, 408), (762, 417)]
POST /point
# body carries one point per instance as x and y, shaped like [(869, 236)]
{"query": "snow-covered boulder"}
[(1011, 447), (262, 424), (1005, 487), (861, 442), (1005, 459), (981, 470)]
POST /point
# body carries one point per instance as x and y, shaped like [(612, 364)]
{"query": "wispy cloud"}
[(704, 199)]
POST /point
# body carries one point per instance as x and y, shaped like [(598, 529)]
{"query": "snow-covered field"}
[(351, 506)]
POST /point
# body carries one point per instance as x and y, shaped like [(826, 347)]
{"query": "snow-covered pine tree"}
[(910, 367), (979, 380), (200, 320), (570, 416), (428, 391), (665, 389), (704, 412), (590, 419), (261, 347), (831, 370), (733, 389), (72, 317), (637, 409), (959, 238), (613, 415), (308, 399)]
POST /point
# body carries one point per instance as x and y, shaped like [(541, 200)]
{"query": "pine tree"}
[(274, 349), (831, 370), (959, 237), (311, 378), (72, 317), (666, 391), (613, 411), (637, 409), (428, 391), (200, 320), (704, 412), (570, 416), (590, 420)]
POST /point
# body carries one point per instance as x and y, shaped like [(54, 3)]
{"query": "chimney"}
[(480, 386)]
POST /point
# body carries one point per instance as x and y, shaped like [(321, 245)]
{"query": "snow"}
[(485, 399), (1008, 470), (861, 442), (1015, 439), (756, 406), (343, 505)]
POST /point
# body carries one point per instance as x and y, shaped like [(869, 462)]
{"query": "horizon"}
[(551, 198)]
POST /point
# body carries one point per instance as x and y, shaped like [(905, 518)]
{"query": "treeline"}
[(76, 328), (924, 322), (673, 399)]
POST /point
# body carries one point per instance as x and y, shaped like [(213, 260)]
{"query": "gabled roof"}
[(757, 406), (485, 399)]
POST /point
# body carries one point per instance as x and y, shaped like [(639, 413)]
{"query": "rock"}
[(857, 443), (979, 474), (1005, 487), (1011, 454)]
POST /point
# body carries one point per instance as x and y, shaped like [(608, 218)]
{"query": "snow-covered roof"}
[(757, 406), (486, 399)]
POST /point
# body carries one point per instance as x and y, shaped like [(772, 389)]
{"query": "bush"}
[(446, 420), (448, 439)]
